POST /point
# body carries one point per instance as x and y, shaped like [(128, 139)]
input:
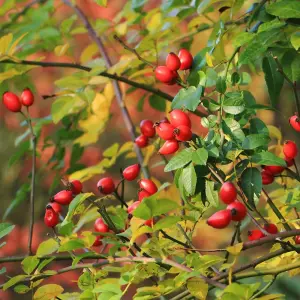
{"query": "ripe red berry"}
[(141, 141), (106, 185), (143, 194), (228, 192), (98, 242), (169, 147), (27, 97), (100, 226), (51, 217), (295, 122), (76, 186), (289, 161), (165, 75), (131, 172), (290, 149), (148, 185), (186, 59), (165, 131), (147, 128), (63, 197), (255, 234), (164, 120), (238, 211), (183, 133), (173, 61), (267, 177), (271, 228), (179, 117), (133, 206), (297, 239), (274, 169), (12, 102), (220, 219), (56, 207), (149, 222)]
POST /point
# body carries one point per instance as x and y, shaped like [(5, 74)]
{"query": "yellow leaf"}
[(141, 72), (209, 59), (48, 292), (274, 132), (154, 22), (5, 42), (109, 91), (9, 74), (121, 29), (141, 230), (148, 153), (88, 53), (97, 80), (61, 49), (236, 249), (272, 297), (198, 288), (14, 45)]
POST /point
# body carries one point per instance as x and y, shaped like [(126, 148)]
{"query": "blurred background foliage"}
[(88, 132)]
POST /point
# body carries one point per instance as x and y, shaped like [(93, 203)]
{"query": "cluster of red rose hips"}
[(178, 129), (295, 122), (168, 73), (290, 151), (64, 197), (13, 103)]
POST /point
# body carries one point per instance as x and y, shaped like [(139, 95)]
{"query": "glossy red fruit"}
[(183, 133), (290, 149), (141, 141), (295, 122), (173, 62), (143, 194), (148, 185), (131, 172), (164, 74), (271, 228), (133, 206), (149, 223), (267, 177), (76, 186), (255, 234), (169, 147), (51, 217), (238, 211), (297, 239), (147, 128), (56, 207), (11, 102), (220, 219), (289, 161), (27, 97), (164, 120), (186, 59), (165, 131), (228, 192), (100, 226), (179, 117), (63, 197), (106, 185), (274, 169), (98, 242)]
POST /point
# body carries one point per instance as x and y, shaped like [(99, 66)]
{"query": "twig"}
[(263, 289)]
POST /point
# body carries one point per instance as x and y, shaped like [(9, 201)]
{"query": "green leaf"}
[(273, 78), (234, 103), (179, 160), (295, 40), (152, 207), (13, 281), (21, 196), (138, 4), (157, 102), (251, 184), (268, 159), (29, 264), (101, 2), (253, 141), (284, 9), (166, 222), (211, 194), (200, 156), (47, 247), (202, 6), (233, 129), (189, 179), (197, 288), (22, 149), (258, 126), (221, 85), (21, 289), (291, 65), (48, 292), (71, 245), (188, 98), (5, 229)]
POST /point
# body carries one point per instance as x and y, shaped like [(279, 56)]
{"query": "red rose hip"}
[(271, 228), (164, 74), (27, 97), (183, 133), (148, 185), (106, 185), (133, 206), (100, 226), (274, 169), (295, 122), (227, 192), (290, 149), (147, 128), (297, 239), (267, 177), (186, 59), (141, 141), (76, 186), (51, 217), (63, 197), (179, 117), (173, 61), (11, 102), (169, 147), (220, 219), (131, 172), (165, 131), (255, 234), (238, 211), (56, 207), (143, 194)]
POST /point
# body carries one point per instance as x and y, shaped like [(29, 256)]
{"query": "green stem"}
[(263, 289)]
